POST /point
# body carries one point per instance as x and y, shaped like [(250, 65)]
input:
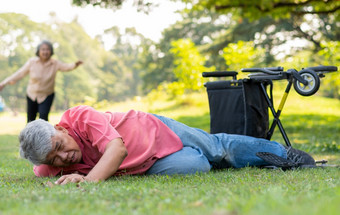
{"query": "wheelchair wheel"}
[(312, 85)]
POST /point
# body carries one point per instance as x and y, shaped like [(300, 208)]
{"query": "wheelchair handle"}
[(220, 74), (323, 68), (268, 70)]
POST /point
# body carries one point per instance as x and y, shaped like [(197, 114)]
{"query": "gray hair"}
[(35, 141)]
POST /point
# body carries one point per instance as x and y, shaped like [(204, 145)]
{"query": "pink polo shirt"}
[(146, 138)]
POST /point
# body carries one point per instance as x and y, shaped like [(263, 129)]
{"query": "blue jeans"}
[(203, 151)]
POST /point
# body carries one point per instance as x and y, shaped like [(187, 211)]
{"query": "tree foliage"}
[(196, 26), (243, 55), (141, 5), (249, 9), (276, 8), (330, 55), (189, 65)]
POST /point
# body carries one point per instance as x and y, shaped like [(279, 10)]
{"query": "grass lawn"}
[(312, 124)]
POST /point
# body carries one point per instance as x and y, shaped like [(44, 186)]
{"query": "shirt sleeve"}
[(22, 72), (51, 171), (96, 128), (64, 67), (46, 170)]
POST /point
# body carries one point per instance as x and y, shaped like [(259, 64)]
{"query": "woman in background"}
[(42, 73)]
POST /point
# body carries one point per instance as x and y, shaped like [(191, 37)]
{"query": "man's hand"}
[(72, 178)]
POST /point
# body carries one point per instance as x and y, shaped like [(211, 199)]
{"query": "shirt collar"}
[(47, 63)]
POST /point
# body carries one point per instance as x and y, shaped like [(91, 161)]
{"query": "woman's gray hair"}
[(35, 141)]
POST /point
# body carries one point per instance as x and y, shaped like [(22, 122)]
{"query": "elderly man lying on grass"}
[(88, 145)]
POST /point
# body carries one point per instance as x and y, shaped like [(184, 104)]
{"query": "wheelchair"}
[(240, 106)]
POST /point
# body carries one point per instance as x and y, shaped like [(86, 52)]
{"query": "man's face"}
[(65, 151)]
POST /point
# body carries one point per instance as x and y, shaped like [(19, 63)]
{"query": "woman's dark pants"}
[(33, 107)]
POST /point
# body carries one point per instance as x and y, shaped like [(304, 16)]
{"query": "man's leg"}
[(32, 109), (186, 161), (241, 150), (45, 107), (225, 150)]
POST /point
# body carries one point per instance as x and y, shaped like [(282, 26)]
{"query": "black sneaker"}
[(295, 159), (275, 161), (300, 158)]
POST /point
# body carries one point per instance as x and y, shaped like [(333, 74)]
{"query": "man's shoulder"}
[(78, 111), (81, 108)]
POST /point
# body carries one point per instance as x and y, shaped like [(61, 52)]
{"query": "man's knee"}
[(186, 161), (192, 165)]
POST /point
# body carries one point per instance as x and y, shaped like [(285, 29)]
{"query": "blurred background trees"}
[(212, 35)]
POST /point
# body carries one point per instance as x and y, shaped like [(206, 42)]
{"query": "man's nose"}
[(63, 156)]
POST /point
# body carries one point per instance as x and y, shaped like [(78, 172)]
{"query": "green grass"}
[(312, 124)]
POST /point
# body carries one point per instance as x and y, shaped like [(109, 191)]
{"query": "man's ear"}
[(60, 128)]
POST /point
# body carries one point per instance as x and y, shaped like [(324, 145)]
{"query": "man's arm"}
[(115, 153), (109, 163)]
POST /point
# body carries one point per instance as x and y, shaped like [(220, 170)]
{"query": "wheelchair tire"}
[(313, 83)]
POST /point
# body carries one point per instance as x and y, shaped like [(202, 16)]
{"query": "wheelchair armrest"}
[(278, 68), (220, 74)]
